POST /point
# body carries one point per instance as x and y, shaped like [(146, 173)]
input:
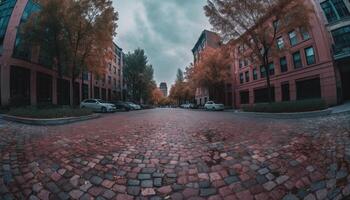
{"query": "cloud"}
[(167, 30)]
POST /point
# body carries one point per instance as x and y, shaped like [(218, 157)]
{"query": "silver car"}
[(210, 105), (133, 106), (98, 105)]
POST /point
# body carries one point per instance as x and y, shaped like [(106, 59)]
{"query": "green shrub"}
[(52, 112), (288, 106)]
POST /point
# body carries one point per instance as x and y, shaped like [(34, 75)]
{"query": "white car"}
[(98, 105), (186, 105), (210, 105), (133, 106)]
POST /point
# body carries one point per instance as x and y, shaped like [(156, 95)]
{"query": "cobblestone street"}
[(177, 154)]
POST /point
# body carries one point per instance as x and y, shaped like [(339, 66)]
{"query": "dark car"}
[(144, 106), (121, 106)]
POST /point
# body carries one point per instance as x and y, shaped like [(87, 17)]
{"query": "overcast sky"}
[(166, 29)]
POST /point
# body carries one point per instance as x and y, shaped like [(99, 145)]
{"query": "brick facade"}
[(43, 83), (321, 74)]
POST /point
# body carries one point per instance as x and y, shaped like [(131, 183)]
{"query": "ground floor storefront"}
[(34, 86), (224, 96), (344, 75), (311, 83)]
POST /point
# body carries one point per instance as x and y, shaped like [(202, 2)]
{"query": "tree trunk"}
[(72, 91), (267, 71), (82, 86)]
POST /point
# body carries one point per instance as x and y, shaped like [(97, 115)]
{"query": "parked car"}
[(98, 105), (133, 106), (185, 105), (145, 106), (194, 106), (121, 106), (189, 106), (211, 105)]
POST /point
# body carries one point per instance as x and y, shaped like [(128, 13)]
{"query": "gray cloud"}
[(166, 29)]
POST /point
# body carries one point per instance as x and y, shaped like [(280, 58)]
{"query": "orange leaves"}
[(157, 96), (212, 69)]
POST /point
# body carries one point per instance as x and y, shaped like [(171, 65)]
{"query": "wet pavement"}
[(177, 154)]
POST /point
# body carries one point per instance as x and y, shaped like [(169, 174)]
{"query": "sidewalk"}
[(344, 108), (341, 108)]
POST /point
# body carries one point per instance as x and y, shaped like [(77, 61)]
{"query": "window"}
[(255, 74), (115, 70), (329, 11), (6, 8), (305, 33), (297, 60), (262, 72), (341, 8), (109, 79), (85, 76), (247, 76), (293, 38), (276, 24), (341, 38), (335, 10), (308, 89), (241, 63), (283, 64), (280, 43), (310, 55), (90, 101), (244, 97), (285, 92), (271, 69), (21, 51), (262, 95), (241, 78)]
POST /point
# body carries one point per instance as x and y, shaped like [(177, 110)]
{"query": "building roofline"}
[(204, 33), (119, 48)]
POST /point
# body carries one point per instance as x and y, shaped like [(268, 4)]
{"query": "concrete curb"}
[(297, 115), (48, 122)]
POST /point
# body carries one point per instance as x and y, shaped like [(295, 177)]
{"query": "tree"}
[(246, 22), (157, 96), (179, 76), (139, 76), (212, 71), (73, 34), (181, 91)]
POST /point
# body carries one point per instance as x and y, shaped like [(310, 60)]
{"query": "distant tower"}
[(164, 88)]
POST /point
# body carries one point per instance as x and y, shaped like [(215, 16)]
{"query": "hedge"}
[(287, 107), (53, 112)]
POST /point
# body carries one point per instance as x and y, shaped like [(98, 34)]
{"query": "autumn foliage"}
[(157, 96), (255, 25), (73, 35), (181, 91), (212, 71)]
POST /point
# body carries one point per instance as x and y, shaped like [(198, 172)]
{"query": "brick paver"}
[(177, 154)]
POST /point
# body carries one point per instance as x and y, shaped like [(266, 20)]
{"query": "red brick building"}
[(305, 71), (316, 65), (209, 39), (28, 78)]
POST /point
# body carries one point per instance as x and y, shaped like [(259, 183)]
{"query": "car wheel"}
[(103, 109)]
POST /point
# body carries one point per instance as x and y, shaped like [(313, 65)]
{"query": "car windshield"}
[(101, 101)]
